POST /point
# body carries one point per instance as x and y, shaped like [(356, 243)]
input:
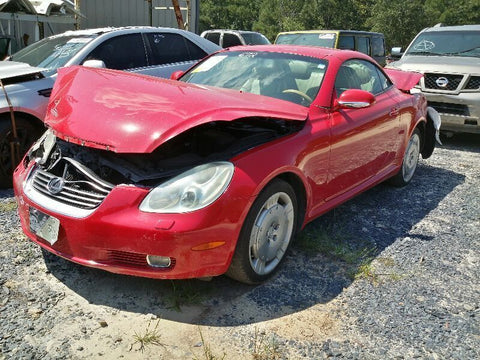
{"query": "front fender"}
[(431, 135)]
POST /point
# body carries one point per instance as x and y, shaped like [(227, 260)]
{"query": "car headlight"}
[(191, 190)]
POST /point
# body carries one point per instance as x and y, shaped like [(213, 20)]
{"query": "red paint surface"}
[(338, 154)]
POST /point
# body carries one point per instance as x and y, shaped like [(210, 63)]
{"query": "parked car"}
[(29, 74), (449, 58), (228, 38), (370, 43), (217, 172)]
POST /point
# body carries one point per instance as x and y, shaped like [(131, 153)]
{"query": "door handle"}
[(394, 112)]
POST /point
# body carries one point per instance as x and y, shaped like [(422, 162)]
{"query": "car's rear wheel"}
[(27, 133), (266, 234), (410, 161)]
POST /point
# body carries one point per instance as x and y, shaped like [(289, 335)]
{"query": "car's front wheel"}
[(410, 161), (266, 234)]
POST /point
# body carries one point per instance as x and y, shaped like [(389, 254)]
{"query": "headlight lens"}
[(190, 191)]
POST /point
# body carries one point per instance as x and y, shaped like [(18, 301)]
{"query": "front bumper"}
[(460, 113), (117, 236)]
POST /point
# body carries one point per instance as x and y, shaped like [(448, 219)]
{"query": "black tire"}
[(27, 134), (410, 161), (266, 234)]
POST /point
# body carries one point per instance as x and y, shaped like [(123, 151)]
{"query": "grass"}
[(207, 351), (357, 254), (187, 292), (7, 206), (265, 348), (334, 242), (148, 337)]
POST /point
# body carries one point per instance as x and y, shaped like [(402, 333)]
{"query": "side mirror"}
[(354, 99), (176, 75), (396, 53), (98, 64)]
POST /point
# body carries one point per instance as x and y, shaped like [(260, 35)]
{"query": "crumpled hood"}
[(438, 64), (10, 69), (129, 113), (403, 80)]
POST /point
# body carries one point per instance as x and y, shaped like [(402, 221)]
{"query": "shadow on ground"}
[(462, 142), (379, 216)]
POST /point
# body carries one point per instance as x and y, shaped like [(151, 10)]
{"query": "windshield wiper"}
[(427, 53), (463, 51)]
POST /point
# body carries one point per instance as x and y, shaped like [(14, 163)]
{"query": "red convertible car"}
[(215, 170)]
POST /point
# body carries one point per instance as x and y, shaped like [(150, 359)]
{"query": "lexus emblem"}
[(442, 82), (55, 185)]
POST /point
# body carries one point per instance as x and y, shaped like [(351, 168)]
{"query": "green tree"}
[(399, 20), (278, 15), (459, 12), (232, 14)]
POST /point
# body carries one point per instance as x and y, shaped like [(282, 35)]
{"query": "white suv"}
[(449, 58), (29, 74)]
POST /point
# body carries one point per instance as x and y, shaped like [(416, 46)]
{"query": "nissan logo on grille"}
[(55, 185), (442, 82)]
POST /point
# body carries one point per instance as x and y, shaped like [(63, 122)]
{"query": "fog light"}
[(159, 261)]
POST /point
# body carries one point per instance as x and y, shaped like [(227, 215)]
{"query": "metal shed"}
[(100, 13), (23, 22)]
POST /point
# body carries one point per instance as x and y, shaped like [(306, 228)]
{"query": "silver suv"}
[(449, 58), (29, 75)]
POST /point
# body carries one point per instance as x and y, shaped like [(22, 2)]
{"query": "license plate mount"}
[(44, 225)]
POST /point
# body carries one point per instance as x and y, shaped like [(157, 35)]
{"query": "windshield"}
[(255, 39), (289, 77), (51, 53), (446, 43), (314, 39)]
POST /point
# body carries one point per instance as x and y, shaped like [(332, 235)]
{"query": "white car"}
[(29, 74)]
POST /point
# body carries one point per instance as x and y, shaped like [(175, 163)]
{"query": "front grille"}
[(128, 258), (81, 188), (133, 259), (448, 108), (473, 83), (453, 81)]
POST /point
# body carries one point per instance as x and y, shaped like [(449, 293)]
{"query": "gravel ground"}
[(413, 292)]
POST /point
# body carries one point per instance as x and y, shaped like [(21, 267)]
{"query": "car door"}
[(362, 139), (169, 52)]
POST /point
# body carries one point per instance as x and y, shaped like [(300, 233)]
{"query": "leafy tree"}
[(399, 20), (278, 15), (232, 14), (459, 12)]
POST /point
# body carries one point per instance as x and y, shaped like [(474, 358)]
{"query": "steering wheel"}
[(298, 92)]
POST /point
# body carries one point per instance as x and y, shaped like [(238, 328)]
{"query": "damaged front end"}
[(80, 177)]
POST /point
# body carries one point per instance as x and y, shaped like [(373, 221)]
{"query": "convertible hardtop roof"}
[(312, 51)]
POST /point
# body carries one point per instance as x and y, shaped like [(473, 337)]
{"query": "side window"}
[(363, 45), (213, 37), (360, 74), (384, 81), (167, 48), (231, 40), (121, 52), (378, 46), (346, 42), (195, 52)]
